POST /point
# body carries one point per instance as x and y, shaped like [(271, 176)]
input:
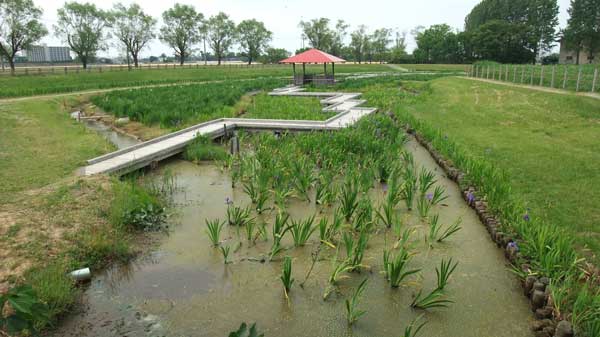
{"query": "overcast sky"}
[(282, 16)]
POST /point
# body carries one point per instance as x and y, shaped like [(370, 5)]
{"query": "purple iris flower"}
[(228, 201), (470, 197), (429, 196), (526, 216), (384, 186), (513, 244)]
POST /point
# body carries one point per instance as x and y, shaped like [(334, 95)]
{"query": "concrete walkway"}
[(140, 155)]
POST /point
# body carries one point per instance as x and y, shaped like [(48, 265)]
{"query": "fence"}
[(583, 78), (44, 70)]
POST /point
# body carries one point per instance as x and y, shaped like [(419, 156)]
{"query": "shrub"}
[(137, 207)]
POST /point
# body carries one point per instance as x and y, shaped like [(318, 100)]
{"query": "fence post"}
[(531, 78), (506, 73), (542, 77), (578, 79), (564, 86), (522, 74), (514, 74), (487, 74), (595, 79), (553, 76)]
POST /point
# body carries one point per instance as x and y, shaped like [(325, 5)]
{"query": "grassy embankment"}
[(28, 85), (534, 157), (52, 222)]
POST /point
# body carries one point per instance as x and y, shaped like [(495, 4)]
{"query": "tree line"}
[(511, 31), (364, 46), (87, 29)]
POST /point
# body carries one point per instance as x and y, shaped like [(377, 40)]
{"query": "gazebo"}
[(313, 56)]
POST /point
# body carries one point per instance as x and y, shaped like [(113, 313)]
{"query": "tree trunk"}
[(135, 59), (218, 59), (11, 62), (181, 59), (84, 62), (249, 60), (577, 56)]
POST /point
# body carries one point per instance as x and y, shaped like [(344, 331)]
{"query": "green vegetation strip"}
[(178, 106), (29, 85)]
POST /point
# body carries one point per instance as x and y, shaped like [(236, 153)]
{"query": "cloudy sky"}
[(282, 16)]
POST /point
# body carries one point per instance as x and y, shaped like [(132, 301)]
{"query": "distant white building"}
[(48, 54)]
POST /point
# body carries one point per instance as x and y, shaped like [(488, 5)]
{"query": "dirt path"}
[(532, 87), (397, 67)]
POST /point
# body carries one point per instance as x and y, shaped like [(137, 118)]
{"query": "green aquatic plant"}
[(426, 201), (324, 188), (213, 229), (249, 228), (303, 178), (281, 193), (386, 214), (302, 230), (352, 311), (414, 327), (409, 187), (278, 231), (244, 331), (237, 216), (435, 299), (437, 234), (286, 275), (364, 215), (444, 272), (349, 199), (426, 180), (338, 269), (252, 190), (396, 268), (225, 249), (355, 249)]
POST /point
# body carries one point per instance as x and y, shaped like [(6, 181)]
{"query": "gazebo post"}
[(333, 70), (325, 68)]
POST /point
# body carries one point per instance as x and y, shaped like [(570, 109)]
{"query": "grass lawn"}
[(436, 67), (28, 85), (269, 107), (548, 143), (40, 144)]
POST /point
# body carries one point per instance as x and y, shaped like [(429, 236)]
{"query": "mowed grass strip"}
[(548, 143), (29, 85), (40, 144)]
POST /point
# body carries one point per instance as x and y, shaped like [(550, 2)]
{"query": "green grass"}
[(547, 143), (282, 107), (28, 85), (40, 144), (202, 148)]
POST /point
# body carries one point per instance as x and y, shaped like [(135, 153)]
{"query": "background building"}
[(49, 54), (568, 56)]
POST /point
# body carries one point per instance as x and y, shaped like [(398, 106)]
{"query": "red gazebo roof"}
[(313, 56)]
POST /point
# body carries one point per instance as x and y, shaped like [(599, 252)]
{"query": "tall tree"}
[(437, 44), (83, 27), (583, 28), (274, 55), (20, 26), (542, 19), (359, 43), (318, 33), (133, 28), (221, 34), (254, 38), (339, 34), (181, 30), (380, 39)]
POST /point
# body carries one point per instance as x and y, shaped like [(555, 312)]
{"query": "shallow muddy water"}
[(118, 139), (184, 289)]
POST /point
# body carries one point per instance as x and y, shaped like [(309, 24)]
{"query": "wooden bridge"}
[(143, 154)]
